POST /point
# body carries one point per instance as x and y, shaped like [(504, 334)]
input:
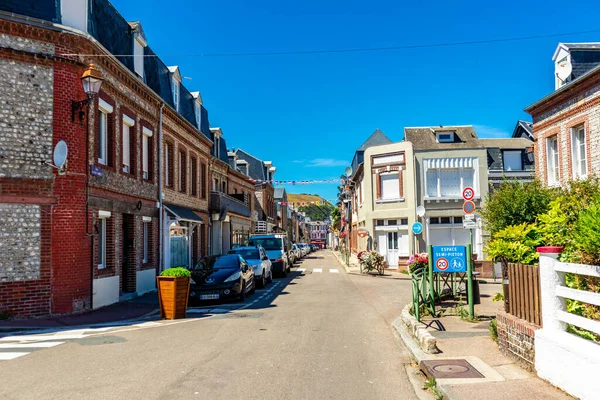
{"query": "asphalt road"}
[(314, 335)]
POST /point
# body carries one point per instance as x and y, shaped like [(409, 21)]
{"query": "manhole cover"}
[(445, 369)]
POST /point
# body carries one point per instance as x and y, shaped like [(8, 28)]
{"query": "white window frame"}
[(386, 174), (102, 217), (138, 56), (576, 145), (146, 137), (167, 181), (128, 123), (103, 110), (198, 109), (513, 153), (475, 184), (180, 170), (175, 93), (145, 242), (553, 161), (450, 139)]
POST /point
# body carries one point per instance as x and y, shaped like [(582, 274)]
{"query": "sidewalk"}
[(136, 308), (503, 379)]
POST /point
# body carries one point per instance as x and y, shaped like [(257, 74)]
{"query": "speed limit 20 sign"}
[(468, 193)]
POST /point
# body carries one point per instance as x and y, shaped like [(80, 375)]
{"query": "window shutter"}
[(390, 186)]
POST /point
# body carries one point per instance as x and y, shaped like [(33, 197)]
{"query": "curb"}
[(426, 342)]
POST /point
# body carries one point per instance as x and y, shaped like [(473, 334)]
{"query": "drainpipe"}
[(160, 191)]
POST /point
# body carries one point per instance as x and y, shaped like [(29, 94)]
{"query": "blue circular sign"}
[(417, 228)]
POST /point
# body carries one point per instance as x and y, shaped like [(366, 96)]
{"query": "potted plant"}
[(371, 260), (173, 292)]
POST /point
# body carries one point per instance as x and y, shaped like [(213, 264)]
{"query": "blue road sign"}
[(417, 228), (449, 259)]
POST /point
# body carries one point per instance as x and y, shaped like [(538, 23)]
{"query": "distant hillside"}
[(317, 211), (306, 198)]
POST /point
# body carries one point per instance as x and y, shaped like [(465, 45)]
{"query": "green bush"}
[(515, 203), (493, 327), (176, 272), (514, 244)]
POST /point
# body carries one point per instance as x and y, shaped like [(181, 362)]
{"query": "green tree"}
[(336, 217), (514, 203)]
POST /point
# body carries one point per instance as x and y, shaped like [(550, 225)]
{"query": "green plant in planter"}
[(177, 272)]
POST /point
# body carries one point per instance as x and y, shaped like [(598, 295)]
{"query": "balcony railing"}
[(220, 202)]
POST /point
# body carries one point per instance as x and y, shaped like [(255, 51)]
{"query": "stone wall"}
[(26, 95), (516, 339), (20, 242)]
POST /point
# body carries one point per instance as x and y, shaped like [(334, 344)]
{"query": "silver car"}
[(297, 251), (257, 258)]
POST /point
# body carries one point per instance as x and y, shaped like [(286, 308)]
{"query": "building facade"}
[(566, 123)]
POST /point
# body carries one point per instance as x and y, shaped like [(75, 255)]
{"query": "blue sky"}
[(308, 113)]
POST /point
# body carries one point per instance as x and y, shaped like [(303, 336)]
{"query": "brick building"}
[(566, 123), (94, 234)]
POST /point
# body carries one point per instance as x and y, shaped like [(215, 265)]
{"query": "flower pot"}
[(173, 295)]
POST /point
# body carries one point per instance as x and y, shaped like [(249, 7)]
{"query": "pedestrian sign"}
[(469, 207), (449, 259), (417, 228), (468, 193)]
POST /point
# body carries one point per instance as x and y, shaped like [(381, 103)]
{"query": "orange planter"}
[(173, 295)]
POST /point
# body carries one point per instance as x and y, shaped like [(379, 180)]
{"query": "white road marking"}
[(11, 356), (318, 270), (29, 345), (334, 271), (301, 270)]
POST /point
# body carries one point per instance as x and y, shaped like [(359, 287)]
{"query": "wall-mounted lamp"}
[(91, 81)]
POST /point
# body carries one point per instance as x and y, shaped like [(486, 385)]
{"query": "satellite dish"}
[(420, 211), (60, 154), (563, 69), (348, 171)]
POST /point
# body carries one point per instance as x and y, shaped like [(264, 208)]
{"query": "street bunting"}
[(468, 194), (449, 259)]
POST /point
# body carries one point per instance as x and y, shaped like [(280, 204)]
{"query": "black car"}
[(221, 277)]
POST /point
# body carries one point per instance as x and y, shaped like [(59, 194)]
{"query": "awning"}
[(183, 214), (464, 162)]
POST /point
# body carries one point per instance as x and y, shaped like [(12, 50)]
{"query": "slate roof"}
[(424, 138), (506, 143), (377, 138), (279, 193), (256, 167), (47, 10), (523, 129)]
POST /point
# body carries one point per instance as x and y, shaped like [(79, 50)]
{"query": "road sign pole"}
[(431, 287), (470, 296)]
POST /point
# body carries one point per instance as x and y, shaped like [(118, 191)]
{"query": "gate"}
[(179, 251)]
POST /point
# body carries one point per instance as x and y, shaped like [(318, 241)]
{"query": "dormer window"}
[(198, 109), (198, 115), (139, 43), (175, 88), (445, 137)]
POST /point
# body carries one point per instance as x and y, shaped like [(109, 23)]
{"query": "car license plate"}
[(209, 297)]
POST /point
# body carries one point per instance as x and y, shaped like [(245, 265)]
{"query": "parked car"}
[(257, 259), (306, 248), (221, 277), (297, 251), (314, 247), (302, 249), (277, 248)]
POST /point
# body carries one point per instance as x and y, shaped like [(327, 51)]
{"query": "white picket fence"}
[(564, 359)]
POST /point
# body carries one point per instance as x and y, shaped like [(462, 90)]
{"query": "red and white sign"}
[(469, 207), (442, 264), (468, 194)]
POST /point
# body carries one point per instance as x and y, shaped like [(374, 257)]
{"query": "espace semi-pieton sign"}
[(449, 259)]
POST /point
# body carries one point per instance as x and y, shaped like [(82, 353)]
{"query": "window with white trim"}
[(128, 123), (103, 110), (513, 160), (445, 137), (102, 217), (446, 178), (552, 160), (390, 186), (578, 152), (168, 168), (138, 56), (175, 92), (197, 111), (146, 138), (146, 239)]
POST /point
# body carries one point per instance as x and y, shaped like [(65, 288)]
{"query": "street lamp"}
[(91, 80)]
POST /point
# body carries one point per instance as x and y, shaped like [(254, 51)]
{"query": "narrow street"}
[(319, 333)]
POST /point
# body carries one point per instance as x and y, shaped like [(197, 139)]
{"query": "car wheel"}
[(284, 272), (270, 279), (287, 268), (263, 280), (253, 287)]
